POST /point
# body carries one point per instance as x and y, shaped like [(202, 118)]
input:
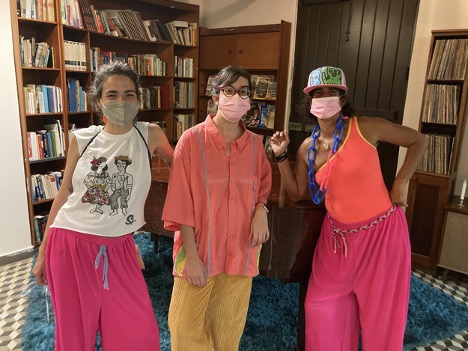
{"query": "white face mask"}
[(326, 107), (120, 113), (233, 107)]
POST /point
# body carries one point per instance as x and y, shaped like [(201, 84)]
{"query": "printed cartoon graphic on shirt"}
[(121, 186), (97, 183)]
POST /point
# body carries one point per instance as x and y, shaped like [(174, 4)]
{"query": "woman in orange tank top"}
[(361, 266)]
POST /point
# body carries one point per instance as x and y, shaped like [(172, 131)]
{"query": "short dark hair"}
[(229, 75), (106, 71)]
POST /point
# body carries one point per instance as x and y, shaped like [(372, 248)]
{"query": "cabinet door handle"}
[(241, 51), (230, 52)]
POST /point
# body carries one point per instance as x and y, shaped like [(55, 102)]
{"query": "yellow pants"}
[(209, 318)]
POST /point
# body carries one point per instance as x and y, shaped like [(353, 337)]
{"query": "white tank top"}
[(110, 183)]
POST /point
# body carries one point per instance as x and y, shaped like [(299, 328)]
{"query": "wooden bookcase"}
[(262, 50), (442, 118), (56, 33)]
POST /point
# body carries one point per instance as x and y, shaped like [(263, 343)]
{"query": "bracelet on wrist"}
[(264, 207), (281, 157)]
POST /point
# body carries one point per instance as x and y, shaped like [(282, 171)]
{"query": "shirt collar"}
[(218, 138)]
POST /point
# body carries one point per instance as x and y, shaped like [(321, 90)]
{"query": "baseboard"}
[(17, 256)]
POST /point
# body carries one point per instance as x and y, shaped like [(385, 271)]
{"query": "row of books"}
[(184, 96), (156, 96), (183, 32), (438, 154), (263, 87), (441, 104), (40, 222), (182, 123), (45, 186), (42, 98), (75, 55), (70, 12), (77, 97), (35, 54), (42, 10), (443, 66), (46, 143), (183, 67), (126, 23)]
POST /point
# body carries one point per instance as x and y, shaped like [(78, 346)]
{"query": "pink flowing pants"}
[(96, 284), (367, 291)]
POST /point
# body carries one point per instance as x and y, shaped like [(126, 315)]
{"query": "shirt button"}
[(233, 181), (233, 198), (232, 218)]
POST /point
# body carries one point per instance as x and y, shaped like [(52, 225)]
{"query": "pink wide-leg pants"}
[(112, 298), (367, 291)]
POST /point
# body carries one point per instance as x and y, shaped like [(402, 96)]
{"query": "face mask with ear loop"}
[(120, 113), (326, 107)]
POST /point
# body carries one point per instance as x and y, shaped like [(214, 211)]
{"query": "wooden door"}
[(258, 50), (371, 40), (217, 51)]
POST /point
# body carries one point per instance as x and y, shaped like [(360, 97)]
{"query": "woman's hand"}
[(279, 142), (39, 270), (399, 193), (195, 271), (259, 232)]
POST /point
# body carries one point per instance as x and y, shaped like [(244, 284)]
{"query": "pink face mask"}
[(233, 107), (324, 108)]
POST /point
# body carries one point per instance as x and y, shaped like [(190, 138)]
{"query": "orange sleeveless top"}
[(356, 190)]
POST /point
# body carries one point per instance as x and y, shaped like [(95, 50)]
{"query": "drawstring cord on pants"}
[(103, 252), (342, 232)]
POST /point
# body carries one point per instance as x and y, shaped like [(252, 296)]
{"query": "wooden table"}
[(294, 230)]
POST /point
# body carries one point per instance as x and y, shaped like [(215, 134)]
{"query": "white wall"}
[(433, 15), (14, 221)]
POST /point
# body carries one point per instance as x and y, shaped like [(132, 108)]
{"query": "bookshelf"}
[(443, 115), (159, 38), (262, 50)]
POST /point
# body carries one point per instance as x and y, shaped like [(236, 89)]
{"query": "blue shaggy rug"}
[(272, 317)]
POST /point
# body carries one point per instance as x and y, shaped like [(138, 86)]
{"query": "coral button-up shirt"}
[(216, 194)]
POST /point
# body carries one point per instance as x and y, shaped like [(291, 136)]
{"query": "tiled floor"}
[(15, 285)]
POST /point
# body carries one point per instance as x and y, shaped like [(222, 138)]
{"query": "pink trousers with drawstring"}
[(366, 291), (112, 298)]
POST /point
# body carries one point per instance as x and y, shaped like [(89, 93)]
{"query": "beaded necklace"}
[(318, 193)]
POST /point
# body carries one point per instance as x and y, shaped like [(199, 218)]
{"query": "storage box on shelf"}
[(442, 118), (262, 50), (76, 37)]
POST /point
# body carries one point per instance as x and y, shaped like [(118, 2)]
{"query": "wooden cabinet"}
[(455, 238), (67, 74), (427, 194), (443, 115), (262, 50)]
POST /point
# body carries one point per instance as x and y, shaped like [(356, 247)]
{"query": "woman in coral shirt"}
[(219, 185)]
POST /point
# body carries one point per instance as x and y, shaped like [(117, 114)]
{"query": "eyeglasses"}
[(244, 93)]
